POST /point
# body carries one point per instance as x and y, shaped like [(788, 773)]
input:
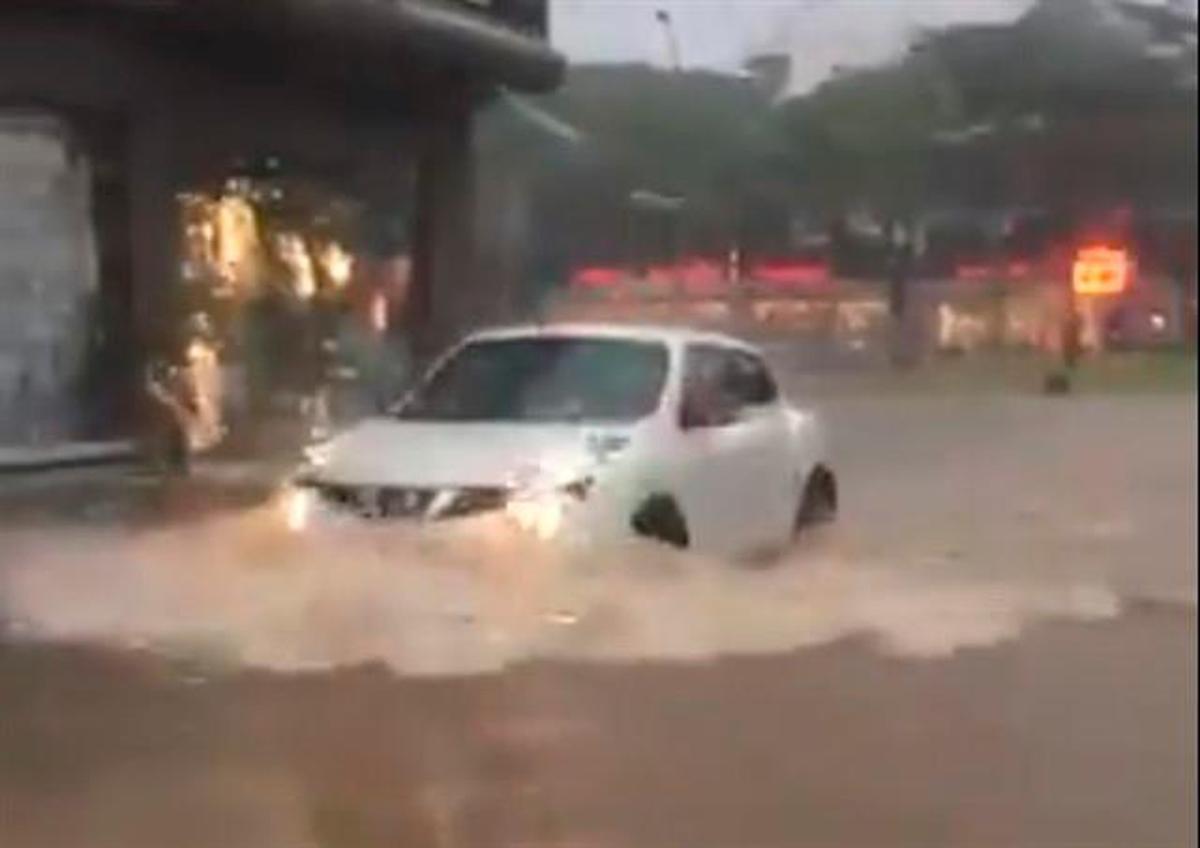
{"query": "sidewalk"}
[(130, 495), (19, 459), (272, 440), (107, 481)]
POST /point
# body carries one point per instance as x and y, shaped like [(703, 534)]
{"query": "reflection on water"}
[(239, 591)]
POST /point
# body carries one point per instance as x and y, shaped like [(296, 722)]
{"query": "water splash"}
[(474, 599)]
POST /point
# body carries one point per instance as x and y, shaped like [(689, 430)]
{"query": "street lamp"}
[(664, 18)]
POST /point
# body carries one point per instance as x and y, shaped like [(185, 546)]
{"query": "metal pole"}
[(898, 291), (1058, 381), (664, 18)]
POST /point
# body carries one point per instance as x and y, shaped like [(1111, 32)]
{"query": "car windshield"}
[(544, 380)]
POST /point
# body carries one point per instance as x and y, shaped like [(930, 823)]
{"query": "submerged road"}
[(995, 646)]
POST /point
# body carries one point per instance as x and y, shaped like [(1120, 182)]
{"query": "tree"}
[(695, 135), (864, 137)]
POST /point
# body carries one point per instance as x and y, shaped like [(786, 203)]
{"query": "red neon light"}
[(702, 276), (790, 273), (596, 277)]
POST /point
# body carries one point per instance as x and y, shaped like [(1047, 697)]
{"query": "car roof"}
[(632, 332)]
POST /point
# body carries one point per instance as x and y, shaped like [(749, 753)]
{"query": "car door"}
[(767, 453), (728, 467)]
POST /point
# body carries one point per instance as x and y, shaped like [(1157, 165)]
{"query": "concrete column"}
[(154, 231), (443, 283)]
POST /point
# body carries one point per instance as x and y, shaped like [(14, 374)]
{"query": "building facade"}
[(170, 170)]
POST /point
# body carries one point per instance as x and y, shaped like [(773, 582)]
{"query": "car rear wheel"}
[(660, 519), (819, 503)]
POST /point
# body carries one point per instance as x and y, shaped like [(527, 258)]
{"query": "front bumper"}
[(558, 517)]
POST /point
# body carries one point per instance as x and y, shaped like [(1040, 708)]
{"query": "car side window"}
[(752, 381), (710, 395)]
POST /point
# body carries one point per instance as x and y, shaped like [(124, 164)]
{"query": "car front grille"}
[(412, 502), (474, 501)]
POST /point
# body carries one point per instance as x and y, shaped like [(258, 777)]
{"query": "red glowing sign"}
[(1101, 270), (597, 277), (790, 274), (702, 276)]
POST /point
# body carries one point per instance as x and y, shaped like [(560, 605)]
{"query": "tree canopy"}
[(1076, 94)]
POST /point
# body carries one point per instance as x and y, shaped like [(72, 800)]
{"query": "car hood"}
[(392, 452)]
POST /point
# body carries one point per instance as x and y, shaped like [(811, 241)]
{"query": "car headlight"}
[(540, 515), (541, 511), (543, 492), (297, 507)]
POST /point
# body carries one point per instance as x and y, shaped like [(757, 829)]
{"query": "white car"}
[(587, 434)]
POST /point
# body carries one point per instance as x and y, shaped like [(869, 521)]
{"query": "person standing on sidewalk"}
[(169, 407), (185, 402)]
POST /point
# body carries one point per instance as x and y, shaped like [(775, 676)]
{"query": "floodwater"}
[(994, 644), (243, 591), (961, 526)]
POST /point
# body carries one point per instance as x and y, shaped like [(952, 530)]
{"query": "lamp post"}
[(664, 19)]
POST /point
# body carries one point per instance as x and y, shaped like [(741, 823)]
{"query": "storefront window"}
[(299, 284)]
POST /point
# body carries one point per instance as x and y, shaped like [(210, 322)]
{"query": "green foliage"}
[(864, 137)]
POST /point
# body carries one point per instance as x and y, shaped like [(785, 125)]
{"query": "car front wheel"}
[(660, 519)]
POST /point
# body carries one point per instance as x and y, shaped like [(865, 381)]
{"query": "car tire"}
[(819, 503), (659, 518)]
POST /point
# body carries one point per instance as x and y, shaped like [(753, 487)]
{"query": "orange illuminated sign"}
[(1101, 270)]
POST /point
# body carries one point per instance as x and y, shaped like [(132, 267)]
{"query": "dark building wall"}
[(183, 122)]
